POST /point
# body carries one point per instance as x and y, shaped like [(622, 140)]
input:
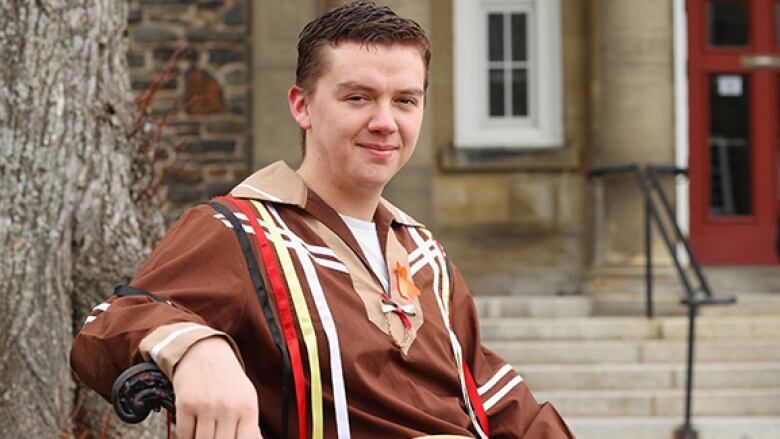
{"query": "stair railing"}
[(694, 296)]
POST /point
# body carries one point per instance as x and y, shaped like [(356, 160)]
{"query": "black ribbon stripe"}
[(262, 295), (127, 290)]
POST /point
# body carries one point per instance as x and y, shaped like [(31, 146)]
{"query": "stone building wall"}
[(208, 92), (515, 222)]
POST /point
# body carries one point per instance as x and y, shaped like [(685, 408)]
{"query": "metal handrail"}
[(692, 300), (652, 173)]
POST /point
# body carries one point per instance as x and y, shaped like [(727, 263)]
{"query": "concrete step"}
[(748, 304), (649, 376), (627, 328), (668, 303), (621, 304), (634, 351), (533, 306), (744, 278), (635, 304), (712, 351), (722, 279), (663, 427), (723, 327), (577, 328), (665, 402), (630, 279)]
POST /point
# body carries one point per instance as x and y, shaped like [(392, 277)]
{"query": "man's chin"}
[(375, 182)]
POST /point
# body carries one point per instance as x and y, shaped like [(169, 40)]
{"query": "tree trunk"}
[(69, 173)]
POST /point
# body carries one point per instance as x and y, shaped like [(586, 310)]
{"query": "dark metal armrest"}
[(141, 389)]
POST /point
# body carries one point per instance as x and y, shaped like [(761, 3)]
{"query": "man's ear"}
[(299, 106)]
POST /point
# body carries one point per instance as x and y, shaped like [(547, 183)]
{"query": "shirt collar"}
[(278, 183)]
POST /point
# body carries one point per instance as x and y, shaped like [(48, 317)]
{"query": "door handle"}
[(761, 61)]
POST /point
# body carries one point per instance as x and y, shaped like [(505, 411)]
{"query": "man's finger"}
[(226, 427), (185, 424), (205, 428), (248, 429)]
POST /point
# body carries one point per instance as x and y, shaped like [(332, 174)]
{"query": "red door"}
[(733, 73)]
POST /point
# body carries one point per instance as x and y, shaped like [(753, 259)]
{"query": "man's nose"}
[(383, 120)]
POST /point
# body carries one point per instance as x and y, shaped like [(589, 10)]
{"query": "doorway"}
[(733, 74)]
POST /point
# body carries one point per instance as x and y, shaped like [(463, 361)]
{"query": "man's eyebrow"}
[(414, 91), (353, 85)]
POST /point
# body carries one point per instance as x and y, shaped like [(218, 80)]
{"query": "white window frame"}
[(543, 128)]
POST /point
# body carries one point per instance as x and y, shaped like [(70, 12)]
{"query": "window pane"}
[(519, 92), (519, 37), (728, 22), (495, 37), (496, 92), (730, 190)]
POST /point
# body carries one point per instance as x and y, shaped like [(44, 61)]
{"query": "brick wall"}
[(208, 92)]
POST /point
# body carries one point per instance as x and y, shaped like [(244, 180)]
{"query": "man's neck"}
[(359, 205)]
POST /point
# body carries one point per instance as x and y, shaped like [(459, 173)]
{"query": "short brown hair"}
[(358, 22)]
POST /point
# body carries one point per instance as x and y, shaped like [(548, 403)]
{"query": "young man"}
[(364, 328)]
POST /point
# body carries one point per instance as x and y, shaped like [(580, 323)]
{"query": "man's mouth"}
[(378, 146)]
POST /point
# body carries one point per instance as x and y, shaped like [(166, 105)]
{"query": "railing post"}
[(599, 221), (687, 431), (648, 261), (692, 311)]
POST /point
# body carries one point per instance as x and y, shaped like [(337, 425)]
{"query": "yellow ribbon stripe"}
[(304, 319)]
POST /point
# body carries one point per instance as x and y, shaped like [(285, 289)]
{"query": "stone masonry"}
[(207, 93)]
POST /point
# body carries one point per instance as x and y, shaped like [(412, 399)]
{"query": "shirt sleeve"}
[(511, 408), (200, 276)]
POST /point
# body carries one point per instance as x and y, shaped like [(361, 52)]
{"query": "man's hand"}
[(214, 397)]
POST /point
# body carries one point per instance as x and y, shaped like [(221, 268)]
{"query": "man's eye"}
[(356, 98), (408, 101)]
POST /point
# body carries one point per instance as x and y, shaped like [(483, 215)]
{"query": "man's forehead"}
[(353, 56), (364, 49)]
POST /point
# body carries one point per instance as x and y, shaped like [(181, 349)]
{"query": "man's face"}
[(364, 116)]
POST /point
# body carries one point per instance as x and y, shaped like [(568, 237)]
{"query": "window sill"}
[(452, 159)]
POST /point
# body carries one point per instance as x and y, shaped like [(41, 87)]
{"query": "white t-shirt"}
[(366, 236)]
